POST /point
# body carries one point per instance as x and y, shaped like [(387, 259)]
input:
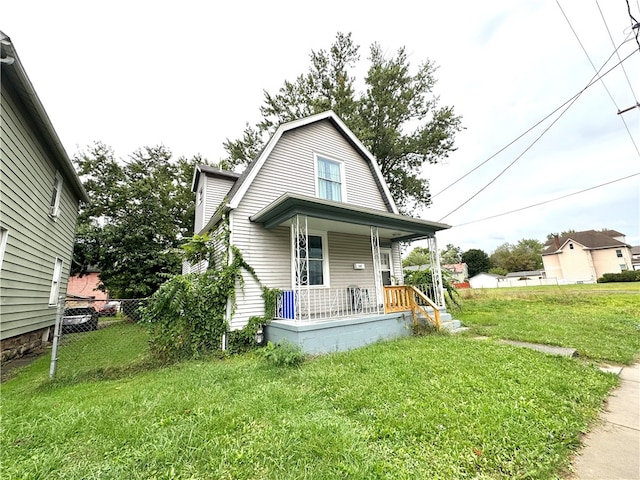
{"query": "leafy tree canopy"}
[(524, 256), (417, 256), (450, 255), (397, 117), (477, 261), (139, 212)]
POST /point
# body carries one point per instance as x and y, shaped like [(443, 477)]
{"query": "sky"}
[(190, 74)]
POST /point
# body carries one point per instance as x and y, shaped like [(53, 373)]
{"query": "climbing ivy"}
[(186, 317)]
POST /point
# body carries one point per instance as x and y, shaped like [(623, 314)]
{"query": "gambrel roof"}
[(243, 183)]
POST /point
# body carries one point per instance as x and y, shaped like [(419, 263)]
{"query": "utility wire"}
[(574, 99), (634, 24), (534, 126), (594, 68), (547, 201), (617, 53)]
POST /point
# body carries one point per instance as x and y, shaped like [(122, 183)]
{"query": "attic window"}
[(330, 179), (571, 246)]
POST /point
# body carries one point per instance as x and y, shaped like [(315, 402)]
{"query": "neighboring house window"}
[(571, 246), (330, 175), (200, 194), (55, 283), (623, 267), (619, 253), (56, 193), (4, 235), (315, 273)]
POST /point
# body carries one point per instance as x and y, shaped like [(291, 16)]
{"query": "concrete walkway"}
[(612, 449)]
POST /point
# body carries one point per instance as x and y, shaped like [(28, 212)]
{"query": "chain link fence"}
[(94, 337)]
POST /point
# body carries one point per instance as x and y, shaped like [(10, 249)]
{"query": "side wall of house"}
[(607, 260), (576, 263), (214, 190), (290, 168), (552, 266), (35, 239)]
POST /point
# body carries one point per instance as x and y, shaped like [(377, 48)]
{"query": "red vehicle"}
[(109, 309)]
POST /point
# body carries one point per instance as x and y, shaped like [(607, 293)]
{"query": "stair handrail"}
[(400, 298), (436, 311)]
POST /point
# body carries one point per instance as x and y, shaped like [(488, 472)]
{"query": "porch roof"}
[(344, 217)]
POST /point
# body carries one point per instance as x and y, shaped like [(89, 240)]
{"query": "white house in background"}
[(39, 196), (313, 215), (486, 280), (586, 256)]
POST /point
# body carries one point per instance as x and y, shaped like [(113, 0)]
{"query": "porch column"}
[(300, 248), (436, 272), (377, 270)]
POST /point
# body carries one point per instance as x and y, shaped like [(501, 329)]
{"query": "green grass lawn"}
[(432, 407), (601, 321)]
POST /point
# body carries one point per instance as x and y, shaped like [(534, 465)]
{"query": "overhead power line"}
[(594, 68), (591, 82), (572, 101), (548, 201)]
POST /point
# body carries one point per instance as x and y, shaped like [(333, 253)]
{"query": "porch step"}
[(453, 326)]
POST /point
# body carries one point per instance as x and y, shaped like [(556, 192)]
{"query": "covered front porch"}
[(346, 274)]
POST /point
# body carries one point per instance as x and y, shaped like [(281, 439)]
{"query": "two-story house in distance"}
[(313, 215)]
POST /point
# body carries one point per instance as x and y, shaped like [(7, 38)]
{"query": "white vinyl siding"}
[(290, 168), (35, 240), (213, 191)]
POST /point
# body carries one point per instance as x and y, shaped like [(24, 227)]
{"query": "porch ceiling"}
[(343, 217)]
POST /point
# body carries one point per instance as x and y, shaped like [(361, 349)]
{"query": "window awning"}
[(333, 216)]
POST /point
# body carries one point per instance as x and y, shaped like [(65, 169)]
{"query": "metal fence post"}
[(56, 336)]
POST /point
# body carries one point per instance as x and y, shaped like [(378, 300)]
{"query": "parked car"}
[(79, 319), (109, 309)]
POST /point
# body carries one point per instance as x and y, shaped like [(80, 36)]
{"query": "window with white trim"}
[(4, 235), (316, 272), (330, 179), (619, 253), (56, 193), (623, 267), (55, 283)]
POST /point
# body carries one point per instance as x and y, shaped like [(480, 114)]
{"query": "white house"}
[(313, 215)]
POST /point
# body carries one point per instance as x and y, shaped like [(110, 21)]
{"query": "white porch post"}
[(377, 270), (300, 247), (436, 272)]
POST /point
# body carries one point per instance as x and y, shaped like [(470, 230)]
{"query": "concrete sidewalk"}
[(612, 449)]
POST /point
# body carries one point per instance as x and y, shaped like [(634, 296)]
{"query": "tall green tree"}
[(139, 212), (397, 117), (526, 255), (417, 256), (450, 255), (477, 261)]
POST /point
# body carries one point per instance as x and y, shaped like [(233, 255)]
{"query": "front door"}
[(385, 265)]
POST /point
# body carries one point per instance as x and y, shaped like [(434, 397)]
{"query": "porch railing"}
[(326, 303), (401, 298)]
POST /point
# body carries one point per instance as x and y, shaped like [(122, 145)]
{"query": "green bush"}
[(626, 276), (283, 354)]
